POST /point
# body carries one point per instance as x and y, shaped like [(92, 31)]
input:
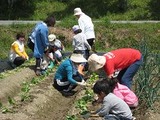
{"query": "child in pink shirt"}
[(124, 93)]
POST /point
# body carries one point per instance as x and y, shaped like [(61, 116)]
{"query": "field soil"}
[(45, 102)]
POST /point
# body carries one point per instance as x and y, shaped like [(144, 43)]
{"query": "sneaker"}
[(51, 65), (38, 72), (68, 93)]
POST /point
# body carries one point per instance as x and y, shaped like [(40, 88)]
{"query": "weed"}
[(71, 117), (11, 101)]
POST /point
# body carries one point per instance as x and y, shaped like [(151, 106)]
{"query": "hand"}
[(82, 83)]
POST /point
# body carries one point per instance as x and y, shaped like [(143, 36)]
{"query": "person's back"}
[(113, 107), (80, 42), (40, 41), (87, 26), (126, 94)]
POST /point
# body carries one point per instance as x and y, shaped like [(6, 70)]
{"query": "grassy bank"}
[(108, 36)]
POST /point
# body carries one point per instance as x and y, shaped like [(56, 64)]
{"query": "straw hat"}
[(77, 58), (78, 11), (96, 62), (51, 37)]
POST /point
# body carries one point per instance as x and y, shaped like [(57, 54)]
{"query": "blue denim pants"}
[(126, 75), (114, 117)]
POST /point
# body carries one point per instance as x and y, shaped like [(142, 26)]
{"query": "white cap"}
[(51, 37), (75, 28), (78, 11)]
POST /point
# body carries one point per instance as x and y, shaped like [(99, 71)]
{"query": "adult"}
[(67, 76), (39, 36), (125, 60), (86, 25), (18, 55)]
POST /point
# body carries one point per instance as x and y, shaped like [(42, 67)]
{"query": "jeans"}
[(126, 75), (114, 117)]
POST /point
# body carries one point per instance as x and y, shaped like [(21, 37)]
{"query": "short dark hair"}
[(112, 83), (50, 21), (102, 85), (20, 35)]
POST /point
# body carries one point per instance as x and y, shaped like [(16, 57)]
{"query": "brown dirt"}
[(46, 103)]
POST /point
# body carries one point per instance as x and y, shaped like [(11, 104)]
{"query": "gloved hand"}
[(83, 83)]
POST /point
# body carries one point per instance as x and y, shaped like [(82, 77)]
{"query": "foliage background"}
[(97, 9)]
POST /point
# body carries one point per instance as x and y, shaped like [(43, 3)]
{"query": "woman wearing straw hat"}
[(67, 76), (125, 60)]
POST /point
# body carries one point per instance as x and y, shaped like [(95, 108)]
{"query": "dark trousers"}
[(18, 61), (126, 75), (90, 42), (78, 78), (30, 44)]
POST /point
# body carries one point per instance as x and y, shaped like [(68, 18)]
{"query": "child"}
[(53, 40), (54, 55), (80, 43), (123, 92), (18, 55), (113, 108)]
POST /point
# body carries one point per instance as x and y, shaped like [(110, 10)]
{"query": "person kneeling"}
[(67, 76)]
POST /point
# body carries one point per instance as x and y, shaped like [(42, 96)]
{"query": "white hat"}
[(51, 37), (78, 11), (77, 58), (96, 62), (75, 28)]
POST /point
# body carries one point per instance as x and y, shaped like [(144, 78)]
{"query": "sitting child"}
[(113, 108), (52, 56), (53, 40), (124, 93)]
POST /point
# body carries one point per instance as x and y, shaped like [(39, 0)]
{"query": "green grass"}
[(108, 36)]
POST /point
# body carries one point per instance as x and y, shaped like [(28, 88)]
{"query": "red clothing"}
[(120, 59)]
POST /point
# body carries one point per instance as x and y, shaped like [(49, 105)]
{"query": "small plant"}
[(71, 117), (11, 101), (25, 96)]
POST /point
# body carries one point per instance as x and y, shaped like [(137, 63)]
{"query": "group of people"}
[(113, 91)]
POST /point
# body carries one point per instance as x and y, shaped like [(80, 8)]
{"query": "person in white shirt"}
[(86, 25), (79, 42)]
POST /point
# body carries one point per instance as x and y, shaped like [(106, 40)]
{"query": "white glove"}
[(83, 83)]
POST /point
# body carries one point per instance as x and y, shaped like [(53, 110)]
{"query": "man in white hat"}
[(67, 76), (125, 60), (86, 25)]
